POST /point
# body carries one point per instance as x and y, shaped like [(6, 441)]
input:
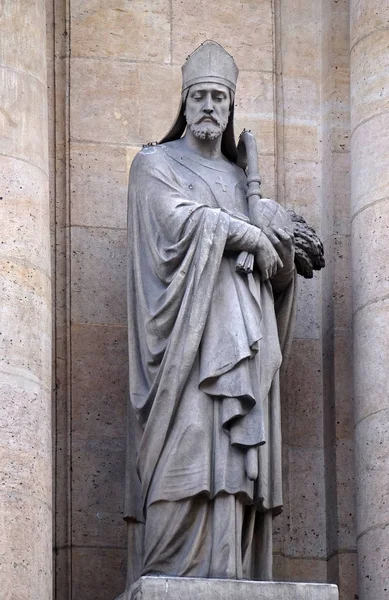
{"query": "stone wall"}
[(114, 84)]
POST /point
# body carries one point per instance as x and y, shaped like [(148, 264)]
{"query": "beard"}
[(207, 130)]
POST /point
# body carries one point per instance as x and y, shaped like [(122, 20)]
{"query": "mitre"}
[(209, 63)]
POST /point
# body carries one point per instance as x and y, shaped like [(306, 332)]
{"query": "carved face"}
[(207, 109)]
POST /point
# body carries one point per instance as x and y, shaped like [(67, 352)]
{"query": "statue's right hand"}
[(267, 258)]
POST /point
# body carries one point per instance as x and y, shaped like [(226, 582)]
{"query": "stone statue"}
[(211, 293)]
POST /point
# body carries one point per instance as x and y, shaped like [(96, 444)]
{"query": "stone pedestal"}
[(187, 588)]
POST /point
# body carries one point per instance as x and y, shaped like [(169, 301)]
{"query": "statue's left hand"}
[(283, 242)]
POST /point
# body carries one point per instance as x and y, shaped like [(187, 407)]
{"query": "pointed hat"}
[(209, 63)]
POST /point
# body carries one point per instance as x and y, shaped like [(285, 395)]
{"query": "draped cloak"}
[(205, 342)]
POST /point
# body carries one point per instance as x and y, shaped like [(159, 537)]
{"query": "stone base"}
[(188, 588)]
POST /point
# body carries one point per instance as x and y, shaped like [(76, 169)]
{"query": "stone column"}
[(25, 310), (370, 246)]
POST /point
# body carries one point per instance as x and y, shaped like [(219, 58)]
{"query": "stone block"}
[(99, 276), (267, 170), (305, 499), (25, 548), (339, 24), (373, 563), (255, 94), (98, 472), (308, 317), (370, 72), (348, 581), (23, 118), (340, 249), (23, 214), (341, 192), (367, 16), (304, 426), (342, 352), (301, 30), (262, 127), (371, 281), (121, 100), (98, 573), (99, 180), (23, 46), (137, 30), (305, 569), (370, 172), (254, 108), (301, 140), (99, 380), (345, 494), (248, 38), (372, 459), (342, 569), (371, 334), (25, 323), (25, 449), (301, 98), (302, 189), (176, 588)]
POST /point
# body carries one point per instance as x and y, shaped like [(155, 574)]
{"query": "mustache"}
[(206, 117)]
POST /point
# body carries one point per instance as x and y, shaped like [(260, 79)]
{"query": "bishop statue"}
[(211, 296)]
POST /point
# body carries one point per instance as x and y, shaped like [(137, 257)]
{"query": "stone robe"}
[(205, 342)]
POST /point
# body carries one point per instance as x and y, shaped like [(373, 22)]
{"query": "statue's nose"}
[(208, 108)]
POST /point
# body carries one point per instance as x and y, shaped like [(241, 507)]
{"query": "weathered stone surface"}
[(343, 568), (371, 355), (306, 514), (25, 314), (129, 27), (370, 209), (370, 173), (25, 322), (373, 560), (367, 16), (174, 588), (308, 310), (370, 74), (24, 46), (371, 283), (251, 45), (25, 549), (99, 275), (120, 97), (302, 180), (304, 426), (22, 187), (300, 20), (98, 491), (93, 569), (99, 184), (23, 118), (372, 459)]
